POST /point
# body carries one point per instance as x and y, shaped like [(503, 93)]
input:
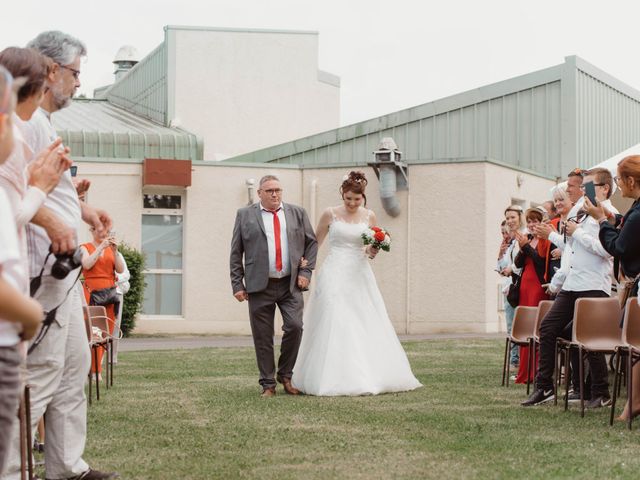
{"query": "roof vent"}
[(124, 61)]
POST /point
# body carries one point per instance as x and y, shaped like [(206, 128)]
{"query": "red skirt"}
[(531, 294)]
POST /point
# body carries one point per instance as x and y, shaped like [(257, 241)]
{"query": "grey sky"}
[(390, 55)]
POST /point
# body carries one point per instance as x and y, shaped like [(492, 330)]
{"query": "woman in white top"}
[(27, 180), (20, 316), (349, 346), (506, 267)]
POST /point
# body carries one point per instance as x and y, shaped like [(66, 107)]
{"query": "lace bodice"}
[(347, 235)]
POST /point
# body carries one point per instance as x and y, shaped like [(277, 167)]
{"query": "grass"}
[(196, 414)]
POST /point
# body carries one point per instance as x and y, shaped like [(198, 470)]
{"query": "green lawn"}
[(197, 414)]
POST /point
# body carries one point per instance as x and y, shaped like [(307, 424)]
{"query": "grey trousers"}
[(9, 397), (262, 309), (57, 370)]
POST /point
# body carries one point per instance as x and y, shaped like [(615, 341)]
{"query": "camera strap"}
[(50, 316), (35, 283)]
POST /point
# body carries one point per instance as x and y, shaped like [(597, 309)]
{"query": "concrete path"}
[(188, 342)]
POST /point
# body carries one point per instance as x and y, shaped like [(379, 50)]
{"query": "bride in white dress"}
[(349, 346)]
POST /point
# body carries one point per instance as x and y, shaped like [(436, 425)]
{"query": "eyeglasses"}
[(74, 72), (577, 172), (577, 219), (273, 191)]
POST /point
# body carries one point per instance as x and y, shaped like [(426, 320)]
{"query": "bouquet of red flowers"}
[(377, 237)]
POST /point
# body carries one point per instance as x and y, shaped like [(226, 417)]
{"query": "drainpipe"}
[(407, 322), (388, 197), (313, 201)]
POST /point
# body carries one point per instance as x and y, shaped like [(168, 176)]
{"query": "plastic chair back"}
[(543, 308), (524, 323), (87, 323), (631, 325), (596, 323), (98, 318)]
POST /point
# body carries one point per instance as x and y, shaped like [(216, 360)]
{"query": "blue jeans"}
[(509, 311)]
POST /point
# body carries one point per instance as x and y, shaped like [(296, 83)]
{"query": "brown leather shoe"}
[(288, 388), (268, 392)]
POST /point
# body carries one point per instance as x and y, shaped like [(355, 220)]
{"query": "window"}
[(151, 200), (162, 240)]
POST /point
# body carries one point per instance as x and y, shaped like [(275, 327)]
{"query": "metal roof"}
[(548, 122), (97, 128)]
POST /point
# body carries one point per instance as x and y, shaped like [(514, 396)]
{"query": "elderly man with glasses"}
[(58, 366)]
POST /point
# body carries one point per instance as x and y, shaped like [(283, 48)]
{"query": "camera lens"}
[(64, 264)]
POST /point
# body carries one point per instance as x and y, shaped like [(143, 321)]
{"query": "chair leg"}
[(581, 370), (504, 362), (630, 388), (95, 358), (529, 367), (556, 375), (567, 376), (27, 411), (90, 382), (111, 361), (106, 365), (23, 439), (508, 362), (616, 385)]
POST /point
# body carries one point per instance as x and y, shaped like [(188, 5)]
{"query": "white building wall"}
[(438, 276), (242, 90)]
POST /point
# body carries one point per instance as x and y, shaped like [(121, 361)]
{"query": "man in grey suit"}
[(273, 237)]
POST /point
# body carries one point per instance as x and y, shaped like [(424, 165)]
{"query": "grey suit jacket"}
[(249, 240)]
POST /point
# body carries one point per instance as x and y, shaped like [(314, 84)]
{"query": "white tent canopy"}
[(611, 164)]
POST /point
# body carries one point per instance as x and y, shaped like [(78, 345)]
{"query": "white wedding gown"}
[(349, 346)]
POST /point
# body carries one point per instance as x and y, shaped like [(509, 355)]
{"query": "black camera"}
[(66, 263)]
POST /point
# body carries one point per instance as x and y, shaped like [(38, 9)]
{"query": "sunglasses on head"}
[(5, 101), (577, 172)]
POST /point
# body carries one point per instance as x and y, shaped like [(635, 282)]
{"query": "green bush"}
[(134, 297)]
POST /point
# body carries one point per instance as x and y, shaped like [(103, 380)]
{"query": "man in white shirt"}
[(589, 275), (58, 367)]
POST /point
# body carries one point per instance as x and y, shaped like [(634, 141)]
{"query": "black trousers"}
[(553, 325)]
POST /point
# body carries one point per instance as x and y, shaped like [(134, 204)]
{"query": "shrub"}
[(134, 297)]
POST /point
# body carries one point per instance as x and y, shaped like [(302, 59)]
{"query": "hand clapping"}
[(522, 239)]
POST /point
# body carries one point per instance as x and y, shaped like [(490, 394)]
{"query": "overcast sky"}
[(390, 55)]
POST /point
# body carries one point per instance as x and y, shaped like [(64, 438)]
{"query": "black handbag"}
[(513, 294), (104, 297)]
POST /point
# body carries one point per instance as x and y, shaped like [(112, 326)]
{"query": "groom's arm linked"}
[(310, 252)]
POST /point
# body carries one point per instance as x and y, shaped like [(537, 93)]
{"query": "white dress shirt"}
[(590, 267), (267, 219), (63, 200)]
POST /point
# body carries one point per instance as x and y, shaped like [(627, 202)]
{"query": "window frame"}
[(166, 271)]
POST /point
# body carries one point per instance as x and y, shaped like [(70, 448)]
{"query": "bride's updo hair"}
[(355, 182)]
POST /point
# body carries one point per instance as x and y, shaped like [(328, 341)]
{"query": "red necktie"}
[(276, 234)]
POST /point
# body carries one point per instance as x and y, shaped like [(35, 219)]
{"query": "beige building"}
[(438, 276), (220, 83), (467, 158)]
